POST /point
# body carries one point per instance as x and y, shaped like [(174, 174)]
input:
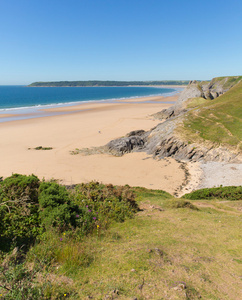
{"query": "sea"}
[(28, 102)]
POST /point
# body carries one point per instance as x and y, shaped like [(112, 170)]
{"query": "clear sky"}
[(53, 40)]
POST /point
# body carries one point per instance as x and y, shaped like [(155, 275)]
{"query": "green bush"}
[(56, 208), (29, 207), (227, 192), (18, 211), (18, 186), (108, 202)]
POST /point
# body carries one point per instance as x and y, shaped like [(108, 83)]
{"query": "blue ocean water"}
[(22, 102), (12, 97)]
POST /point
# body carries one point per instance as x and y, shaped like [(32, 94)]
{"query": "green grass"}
[(218, 121), (172, 249), (230, 82), (194, 102), (162, 248)]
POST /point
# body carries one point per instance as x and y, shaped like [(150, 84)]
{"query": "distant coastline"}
[(99, 83)]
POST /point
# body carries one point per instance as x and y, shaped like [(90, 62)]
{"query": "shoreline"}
[(36, 111)]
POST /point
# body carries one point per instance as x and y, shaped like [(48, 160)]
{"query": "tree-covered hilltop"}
[(107, 83)]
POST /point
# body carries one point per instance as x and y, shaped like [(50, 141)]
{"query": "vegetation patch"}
[(227, 82), (107, 201), (29, 207), (227, 192), (93, 242), (180, 203), (194, 102), (218, 121), (18, 281), (43, 148), (19, 211), (143, 193)]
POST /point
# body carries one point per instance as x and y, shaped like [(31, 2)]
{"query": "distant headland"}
[(109, 83)]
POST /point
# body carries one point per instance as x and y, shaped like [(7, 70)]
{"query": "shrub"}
[(56, 208), (181, 204), (29, 207), (107, 201), (18, 211), (227, 192), (18, 186)]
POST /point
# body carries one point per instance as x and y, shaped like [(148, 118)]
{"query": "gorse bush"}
[(56, 208), (226, 192), (17, 186), (99, 192), (29, 207), (107, 201), (59, 210), (20, 222)]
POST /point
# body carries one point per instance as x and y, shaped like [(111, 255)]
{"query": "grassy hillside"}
[(226, 82), (170, 249), (218, 121)]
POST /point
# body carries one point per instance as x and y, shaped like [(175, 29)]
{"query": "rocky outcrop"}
[(191, 91), (162, 142), (205, 89), (140, 132), (172, 146), (125, 145)]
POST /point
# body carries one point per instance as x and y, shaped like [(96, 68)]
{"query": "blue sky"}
[(119, 40)]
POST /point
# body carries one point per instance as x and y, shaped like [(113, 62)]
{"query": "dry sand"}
[(88, 125)]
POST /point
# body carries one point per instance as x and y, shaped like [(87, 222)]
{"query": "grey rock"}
[(191, 91), (135, 132), (214, 94), (125, 145), (207, 95)]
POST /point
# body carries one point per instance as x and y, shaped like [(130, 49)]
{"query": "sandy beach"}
[(88, 125)]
